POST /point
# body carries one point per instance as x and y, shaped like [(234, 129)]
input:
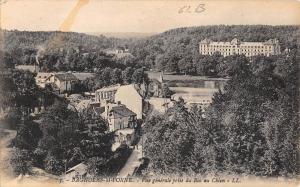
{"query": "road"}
[(132, 162), (5, 151)]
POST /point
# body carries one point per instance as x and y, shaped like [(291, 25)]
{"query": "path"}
[(6, 170), (132, 162)]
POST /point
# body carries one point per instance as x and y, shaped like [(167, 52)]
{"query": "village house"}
[(122, 121), (129, 96), (120, 117), (63, 81), (43, 78), (106, 93)]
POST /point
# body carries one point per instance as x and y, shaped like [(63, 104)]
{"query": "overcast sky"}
[(141, 16)]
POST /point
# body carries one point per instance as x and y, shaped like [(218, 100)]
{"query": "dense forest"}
[(251, 128), (176, 50)]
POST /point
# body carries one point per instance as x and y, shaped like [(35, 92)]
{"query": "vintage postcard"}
[(149, 93)]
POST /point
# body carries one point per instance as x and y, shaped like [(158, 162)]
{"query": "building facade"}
[(267, 48), (63, 81), (120, 117), (43, 78), (131, 98), (106, 93)]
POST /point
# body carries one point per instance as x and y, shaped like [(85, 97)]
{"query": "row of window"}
[(242, 47), (227, 53)]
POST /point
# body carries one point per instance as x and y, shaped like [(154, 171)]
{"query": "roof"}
[(80, 168), (31, 68), (66, 77), (109, 88), (128, 90), (75, 97), (237, 41), (125, 131), (99, 110), (83, 76), (83, 104), (121, 111)]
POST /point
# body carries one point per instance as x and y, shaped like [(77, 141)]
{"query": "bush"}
[(21, 162)]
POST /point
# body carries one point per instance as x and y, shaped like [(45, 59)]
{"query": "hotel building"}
[(270, 47)]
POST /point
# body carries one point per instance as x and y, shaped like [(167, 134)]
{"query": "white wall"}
[(129, 97)]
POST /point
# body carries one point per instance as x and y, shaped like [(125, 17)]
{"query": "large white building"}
[(267, 48)]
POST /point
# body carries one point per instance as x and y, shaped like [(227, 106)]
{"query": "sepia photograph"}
[(149, 93)]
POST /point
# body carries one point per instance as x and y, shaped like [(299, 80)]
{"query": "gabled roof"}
[(121, 111), (66, 77), (129, 89), (109, 88)]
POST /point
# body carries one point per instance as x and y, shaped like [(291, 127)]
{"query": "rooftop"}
[(66, 77), (121, 111), (109, 88), (237, 41), (125, 131)]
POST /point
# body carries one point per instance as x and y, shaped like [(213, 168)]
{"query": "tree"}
[(28, 135), (138, 76), (127, 75), (54, 165), (166, 92), (116, 76), (21, 162)]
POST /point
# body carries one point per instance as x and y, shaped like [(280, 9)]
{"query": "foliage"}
[(28, 135), (21, 162), (109, 166), (176, 50), (251, 127)]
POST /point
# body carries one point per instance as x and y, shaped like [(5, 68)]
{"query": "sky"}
[(142, 16)]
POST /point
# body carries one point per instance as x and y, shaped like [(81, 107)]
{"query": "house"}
[(106, 93), (120, 117), (123, 122), (43, 78), (129, 96), (64, 81), (124, 136)]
